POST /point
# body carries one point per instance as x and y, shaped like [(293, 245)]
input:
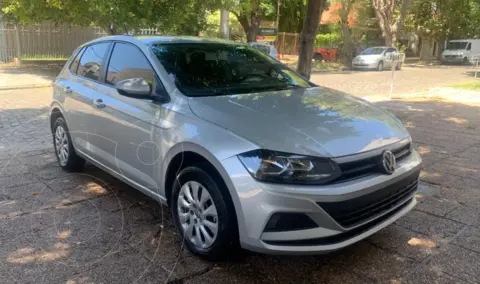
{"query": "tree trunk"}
[(307, 37), (347, 35), (250, 21), (384, 12), (347, 45)]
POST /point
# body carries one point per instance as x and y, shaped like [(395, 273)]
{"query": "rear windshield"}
[(456, 45), (373, 50), (211, 69)]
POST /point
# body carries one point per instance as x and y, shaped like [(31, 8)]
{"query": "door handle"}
[(98, 103), (67, 90)]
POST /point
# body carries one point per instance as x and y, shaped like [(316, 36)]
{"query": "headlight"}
[(278, 167)]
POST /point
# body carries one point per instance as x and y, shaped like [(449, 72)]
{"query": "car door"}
[(79, 85), (128, 140), (388, 59)]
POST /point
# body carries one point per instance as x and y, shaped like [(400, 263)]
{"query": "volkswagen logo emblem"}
[(389, 162)]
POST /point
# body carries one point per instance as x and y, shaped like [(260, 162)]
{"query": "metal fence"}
[(287, 43), (42, 41)]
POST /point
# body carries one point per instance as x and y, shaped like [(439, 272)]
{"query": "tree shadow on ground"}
[(86, 225)]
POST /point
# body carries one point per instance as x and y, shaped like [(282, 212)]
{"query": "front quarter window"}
[(209, 69)]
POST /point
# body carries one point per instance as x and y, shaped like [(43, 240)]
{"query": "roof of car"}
[(165, 39)]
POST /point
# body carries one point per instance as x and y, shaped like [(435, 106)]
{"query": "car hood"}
[(315, 121)]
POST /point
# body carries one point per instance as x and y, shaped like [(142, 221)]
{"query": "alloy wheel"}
[(61, 145), (197, 214)]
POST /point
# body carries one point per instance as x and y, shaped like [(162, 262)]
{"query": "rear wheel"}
[(62, 142), (318, 57), (380, 66), (202, 215)]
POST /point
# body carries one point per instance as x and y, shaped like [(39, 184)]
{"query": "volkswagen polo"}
[(244, 151)]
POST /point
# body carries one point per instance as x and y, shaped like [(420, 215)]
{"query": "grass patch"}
[(472, 86), (328, 65)]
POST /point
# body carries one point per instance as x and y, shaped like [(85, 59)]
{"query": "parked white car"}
[(378, 58), (461, 51)]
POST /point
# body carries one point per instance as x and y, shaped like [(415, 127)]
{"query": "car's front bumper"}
[(256, 202), (452, 59), (363, 65)]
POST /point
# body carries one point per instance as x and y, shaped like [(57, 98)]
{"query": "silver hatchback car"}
[(244, 151)]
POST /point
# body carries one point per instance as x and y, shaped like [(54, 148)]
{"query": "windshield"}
[(373, 50), (211, 69), (456, 45)]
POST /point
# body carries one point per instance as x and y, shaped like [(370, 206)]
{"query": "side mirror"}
[(135, 88)]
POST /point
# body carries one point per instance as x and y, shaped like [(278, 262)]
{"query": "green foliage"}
[(212, 27), (115, 16), (445, 19), (331, 40), (292, 13)]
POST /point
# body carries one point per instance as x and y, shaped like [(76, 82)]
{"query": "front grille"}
[(335, 239), (368, 166), (358, 210)]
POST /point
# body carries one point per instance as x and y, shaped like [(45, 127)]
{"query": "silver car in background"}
[(244, 151), (378, 58), (267, 49)]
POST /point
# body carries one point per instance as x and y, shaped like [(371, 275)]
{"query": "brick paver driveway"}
[(82, 228)]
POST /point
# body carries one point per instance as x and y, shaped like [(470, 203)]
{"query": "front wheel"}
[(202, 214), (380, 66), (398, 66), (62, 142)]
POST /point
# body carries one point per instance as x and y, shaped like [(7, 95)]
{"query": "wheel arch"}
[(55, 112), (187, 154)]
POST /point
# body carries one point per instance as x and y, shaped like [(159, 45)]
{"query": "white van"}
[(461, 51)]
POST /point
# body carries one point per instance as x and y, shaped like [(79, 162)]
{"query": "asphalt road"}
[(407, 80)]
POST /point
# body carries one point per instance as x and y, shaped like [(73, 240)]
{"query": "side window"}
[(91, 61), (390, 50), (74, 65), (127, 62)]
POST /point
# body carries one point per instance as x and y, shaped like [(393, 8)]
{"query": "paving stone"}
[(436, 206), (372, 262), (425, 190), (39, 161), (434, 227), (164, 249), (431, 275), (469, 238), (17, 180), (122, 267), (81, 182), (458, 262), (466, 215), (50, 173), (405, 242), (27, 199), (465, 196)]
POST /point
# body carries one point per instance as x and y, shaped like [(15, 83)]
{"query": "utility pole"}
[(224, 24)]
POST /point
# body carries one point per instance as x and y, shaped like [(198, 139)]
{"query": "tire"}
[(318, 57), (226, 238), (64, 151), (399, 66), (380, 66)]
